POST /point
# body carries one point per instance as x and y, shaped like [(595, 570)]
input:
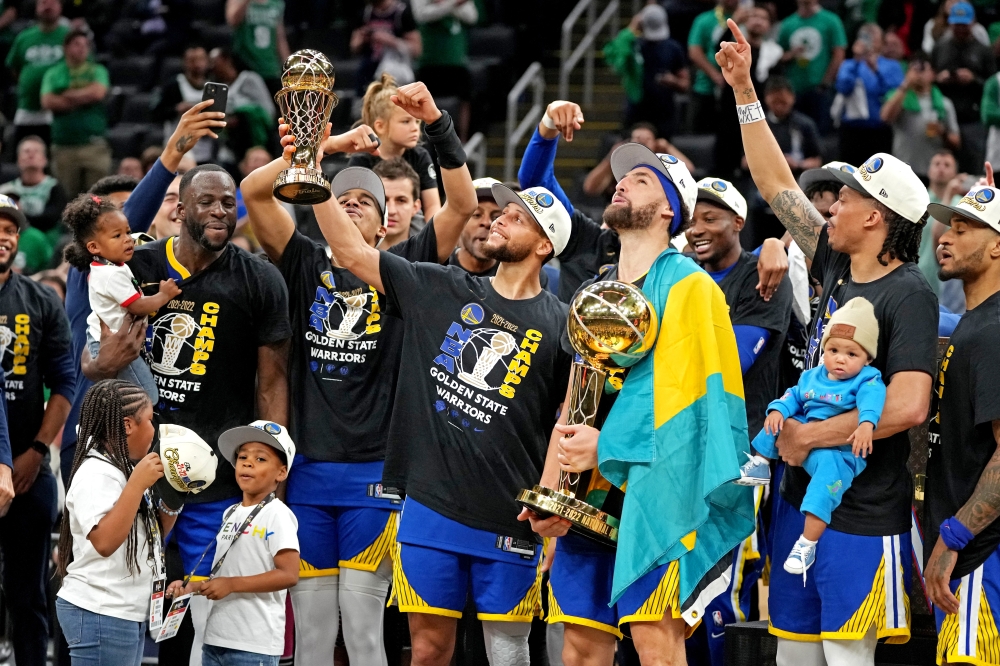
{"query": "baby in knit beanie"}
[(843, 382)]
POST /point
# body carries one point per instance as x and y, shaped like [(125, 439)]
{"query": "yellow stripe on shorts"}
[(371, 557), (666, 595), (556, 615), (405, 596), (967, 640), (307, 570), (529, 607)]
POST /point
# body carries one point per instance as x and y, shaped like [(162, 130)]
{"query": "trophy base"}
[(302, 186), (585, 519)]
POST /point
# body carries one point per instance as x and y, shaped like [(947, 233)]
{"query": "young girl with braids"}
[(399, 134), (101, 245), (109, 543)]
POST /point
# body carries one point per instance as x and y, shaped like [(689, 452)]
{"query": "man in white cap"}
[(345, 363), (485, 376), (867, 249), (963, 474), (660, 598)]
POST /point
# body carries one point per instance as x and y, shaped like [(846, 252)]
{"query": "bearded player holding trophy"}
[(676, 457)]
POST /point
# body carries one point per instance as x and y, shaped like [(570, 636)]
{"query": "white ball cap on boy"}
[(544, 208), (189, 463), (855, 320), (631, 155), (890, 180), (718, 191), (266, 432), (981, 204)]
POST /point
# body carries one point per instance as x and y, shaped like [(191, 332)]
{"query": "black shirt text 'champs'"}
[(480, 383)]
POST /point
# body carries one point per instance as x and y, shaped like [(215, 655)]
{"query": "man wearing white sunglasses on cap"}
[(868, 249)]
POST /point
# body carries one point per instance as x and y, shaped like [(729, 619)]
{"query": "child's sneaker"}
[(802, 557), (755, 472)]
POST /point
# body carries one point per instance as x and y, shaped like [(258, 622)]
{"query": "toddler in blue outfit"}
[(843, 382)]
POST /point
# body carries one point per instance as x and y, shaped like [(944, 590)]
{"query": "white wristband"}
[(547, 121), (749, 113)]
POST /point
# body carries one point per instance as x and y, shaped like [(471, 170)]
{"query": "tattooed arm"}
[(977, 514), (765, 159)]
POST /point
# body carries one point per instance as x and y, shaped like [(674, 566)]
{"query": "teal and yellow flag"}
[(677, 436)]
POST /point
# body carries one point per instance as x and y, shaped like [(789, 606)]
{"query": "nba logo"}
[(717, 618), (506, 543)]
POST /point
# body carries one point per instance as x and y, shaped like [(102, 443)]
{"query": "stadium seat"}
[(136, 108), (496, 41), (170, 68), (8, 171), (209, 10), (138, 71), (347, 73), (113, 103), (211, 36), (125, 139)]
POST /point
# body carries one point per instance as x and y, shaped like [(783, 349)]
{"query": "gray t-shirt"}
[(913, 142)]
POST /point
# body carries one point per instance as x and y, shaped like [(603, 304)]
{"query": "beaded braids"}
[(82, 216), (902, 239), (102, 428), (377, 103)]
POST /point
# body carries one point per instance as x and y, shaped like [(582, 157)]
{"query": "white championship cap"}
[(265, 432), (360, 178), (484, 187), (189, 463), (631, 155), (718, 191), (544, 208), (890, 180), (981, 204), (823, 173)]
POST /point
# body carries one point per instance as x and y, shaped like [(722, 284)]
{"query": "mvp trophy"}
[(306, 101), (611, 325)]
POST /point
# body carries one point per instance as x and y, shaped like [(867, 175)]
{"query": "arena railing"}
[(534, 76), (584, 50), (475, 151)]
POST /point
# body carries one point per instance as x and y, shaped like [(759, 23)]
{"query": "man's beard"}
[(508, 253), (197, 232), (5, 266), (960, 270), (627, 218)]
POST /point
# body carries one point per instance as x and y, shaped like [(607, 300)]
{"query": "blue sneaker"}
[(802, 557), (755, 472)]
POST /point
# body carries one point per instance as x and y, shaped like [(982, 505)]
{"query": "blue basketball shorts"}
[(856, 582), (971, 636), (195, 530), (331, 537)]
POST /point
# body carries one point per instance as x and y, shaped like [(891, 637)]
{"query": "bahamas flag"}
[(677, 435)]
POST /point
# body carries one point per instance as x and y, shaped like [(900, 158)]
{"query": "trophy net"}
[(306, 112)]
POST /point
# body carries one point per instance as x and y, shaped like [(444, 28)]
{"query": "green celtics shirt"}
[(79, 126), (256, 39), (444, 42), (817, 35), (32, 53), (707, 31)]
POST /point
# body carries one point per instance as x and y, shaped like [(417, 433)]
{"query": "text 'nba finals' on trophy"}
[(306, 100), (611, 326)]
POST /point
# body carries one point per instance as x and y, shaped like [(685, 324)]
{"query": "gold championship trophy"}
[(306, 101), (611, 325)]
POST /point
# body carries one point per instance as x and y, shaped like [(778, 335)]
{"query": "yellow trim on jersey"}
[(406, 597), (556, 614), (371, 557), (527, 608), (174, 263), (665, 596), (198, 579), (987, 635), (872, 612), (792, 636), (307, 570)]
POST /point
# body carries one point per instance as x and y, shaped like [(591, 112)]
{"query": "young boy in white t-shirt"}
[(260, 559)]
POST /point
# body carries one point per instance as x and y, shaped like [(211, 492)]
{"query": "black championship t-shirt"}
[(761, 383), (482, 378), (967, 401), (588, 250), (878, 502), (34, 332), (203, 344), (345, 352), (417, 157)]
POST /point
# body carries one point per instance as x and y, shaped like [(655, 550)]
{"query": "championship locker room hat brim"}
[(722, 192), (824, 174), (888, 179), (546, 210), (981, 204), (360, 178), (265, 432), (631, 155), (9, 209)]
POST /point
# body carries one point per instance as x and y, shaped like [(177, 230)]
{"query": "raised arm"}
[(767, 163), (461, 201), (538, 162)]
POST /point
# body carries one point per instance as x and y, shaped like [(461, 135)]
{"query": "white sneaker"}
[(802, 557)]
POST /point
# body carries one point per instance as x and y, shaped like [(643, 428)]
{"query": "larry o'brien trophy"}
[(306, 101), (611, 325)]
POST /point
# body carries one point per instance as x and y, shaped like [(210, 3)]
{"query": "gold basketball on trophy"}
[(611, 325)]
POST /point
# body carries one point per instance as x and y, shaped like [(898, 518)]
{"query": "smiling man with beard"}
[(219, 351)]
